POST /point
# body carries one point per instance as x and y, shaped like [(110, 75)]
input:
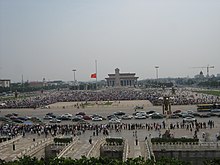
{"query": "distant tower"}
[(117, 78), (157, 74)]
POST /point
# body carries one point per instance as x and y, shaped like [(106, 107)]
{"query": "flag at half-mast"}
[(93, 75)]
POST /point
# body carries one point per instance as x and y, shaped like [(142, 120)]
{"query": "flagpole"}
[(96, 72)]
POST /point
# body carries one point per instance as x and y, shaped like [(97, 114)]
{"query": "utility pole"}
[(96, 72)]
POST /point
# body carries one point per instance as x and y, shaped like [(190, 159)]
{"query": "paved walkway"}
[(81, 148)]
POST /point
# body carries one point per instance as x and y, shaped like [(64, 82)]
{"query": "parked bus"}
[(208, 107)]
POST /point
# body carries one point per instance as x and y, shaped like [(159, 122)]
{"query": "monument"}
[(166, 105), (121, 79)]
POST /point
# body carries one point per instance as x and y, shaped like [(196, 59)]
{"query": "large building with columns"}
[(121, 79)]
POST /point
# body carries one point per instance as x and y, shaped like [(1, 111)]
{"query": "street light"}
[(74, 76), (157, 68)]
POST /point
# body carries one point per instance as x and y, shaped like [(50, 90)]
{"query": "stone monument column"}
[(117, 78)]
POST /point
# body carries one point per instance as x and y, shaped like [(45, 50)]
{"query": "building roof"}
[(121, 78), (5, 80), (123, 74)]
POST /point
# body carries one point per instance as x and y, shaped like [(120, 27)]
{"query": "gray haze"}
[(48, 38)]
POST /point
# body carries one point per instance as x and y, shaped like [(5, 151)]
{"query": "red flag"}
[(93, 75)]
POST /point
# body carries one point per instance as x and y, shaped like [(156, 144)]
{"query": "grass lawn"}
[(210, 92)]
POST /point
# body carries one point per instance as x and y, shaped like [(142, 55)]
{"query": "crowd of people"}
[(155, 96), (77, 129)]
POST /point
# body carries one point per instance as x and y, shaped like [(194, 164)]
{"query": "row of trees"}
[(102, 161)]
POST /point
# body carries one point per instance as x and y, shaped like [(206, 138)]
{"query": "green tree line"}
[(102, 161)]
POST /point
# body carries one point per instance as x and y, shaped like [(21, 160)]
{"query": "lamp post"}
[(74, 76), (157, 68)]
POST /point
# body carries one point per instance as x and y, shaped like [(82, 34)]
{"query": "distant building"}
[(36, 84), (121, 79), (54, 83), (5, 83), (200, 75)]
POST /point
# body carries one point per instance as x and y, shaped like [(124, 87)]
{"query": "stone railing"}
[(148, 153), (186, 146), (125, 152), (63, 152), (2, 144), (36, 147), (95, 148), (150, 150)]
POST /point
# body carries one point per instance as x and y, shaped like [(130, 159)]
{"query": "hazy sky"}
[(48, 38)]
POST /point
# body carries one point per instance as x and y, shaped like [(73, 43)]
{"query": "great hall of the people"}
[(121, 79)]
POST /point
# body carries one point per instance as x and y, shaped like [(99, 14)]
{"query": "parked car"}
[(205, 115), (177, 111), (86, 117), (13, 117), (47, 117), (81, 113), (109, 117), (77, 118), (173, 116), (9, 115), (140, 116), (127, 117), (51, 114), (215, 110), (67, 115), (96, 115), (23, 118), (157, 116), (36, 119), (14, 114), (187, 115), (189, 119), (96, 119), (63, 117), (16, 120), (212, 114), (190, 112), (150, 112), (120, 113), (4, 119), (54, 120), (196, 114), (140, 113), (114, 121)]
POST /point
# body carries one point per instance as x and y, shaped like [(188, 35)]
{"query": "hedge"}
[(114, 141), (174, 140), (63, 140)]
